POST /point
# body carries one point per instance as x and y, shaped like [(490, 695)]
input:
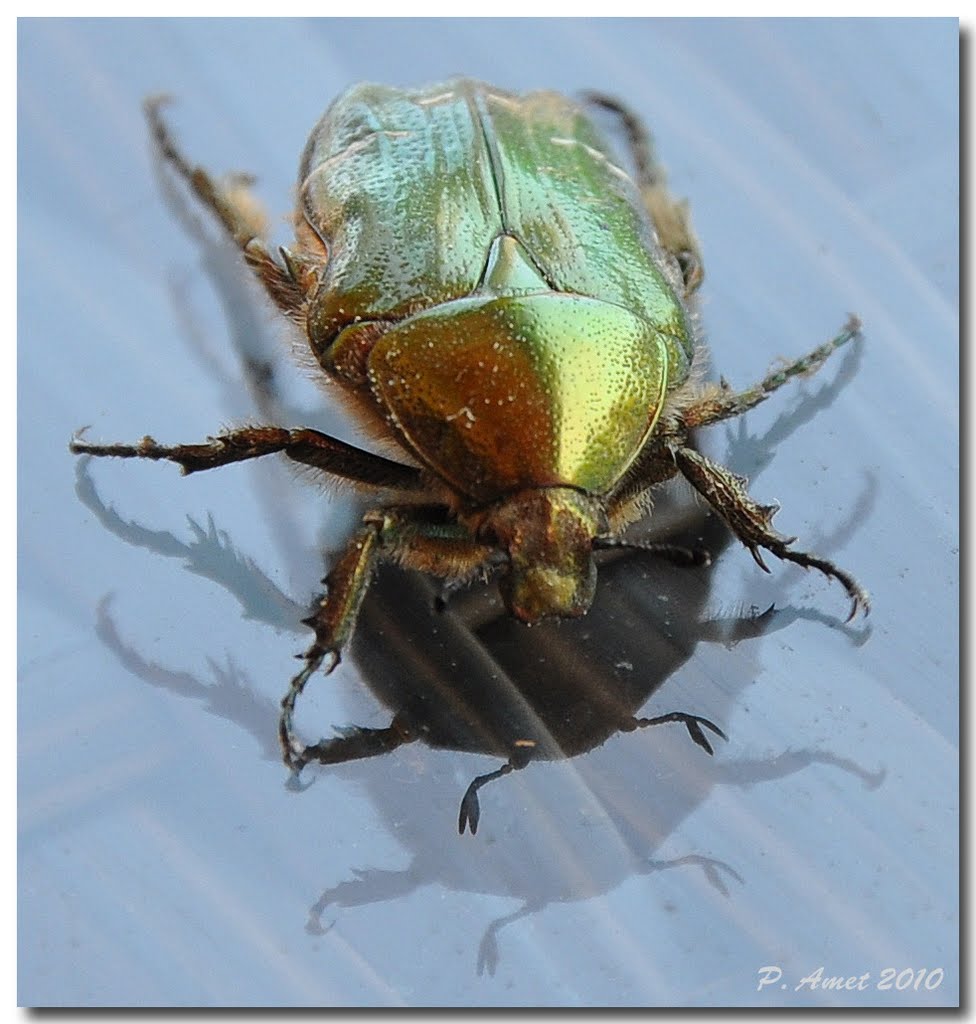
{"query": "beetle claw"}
[(294, 783), (860, 600), (694, 724), (758, 558), (710, 725), (695, 731), (470, 812)]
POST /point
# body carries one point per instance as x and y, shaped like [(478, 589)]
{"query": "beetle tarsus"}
[(470, 813), (356, 743), (648, 171), (292, 750), (722, 403), (693, 723), (860, 598)]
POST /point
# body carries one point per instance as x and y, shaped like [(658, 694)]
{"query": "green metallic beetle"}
[(509, 308)]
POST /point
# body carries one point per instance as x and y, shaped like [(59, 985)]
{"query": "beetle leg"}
[(333, 621), (751, 522), (402, 535), (444, 549), (648, 171), (234, 209), (309, 447), (470, 813), (693, 723), (721, 403), (670, 216), (629, 502), (357, 743)]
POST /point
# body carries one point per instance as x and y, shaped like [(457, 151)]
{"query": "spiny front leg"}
[(333, 620), (417, 537), (752, 522)]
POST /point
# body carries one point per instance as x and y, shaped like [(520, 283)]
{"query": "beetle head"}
[(548, 534)]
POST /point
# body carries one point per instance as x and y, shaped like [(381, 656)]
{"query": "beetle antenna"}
[(675, 553)]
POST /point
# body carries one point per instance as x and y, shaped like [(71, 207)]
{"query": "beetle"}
[(512, 312)]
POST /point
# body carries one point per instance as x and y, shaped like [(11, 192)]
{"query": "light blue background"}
[(163, 862)]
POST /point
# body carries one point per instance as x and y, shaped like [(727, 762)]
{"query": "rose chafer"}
[(502, 301)]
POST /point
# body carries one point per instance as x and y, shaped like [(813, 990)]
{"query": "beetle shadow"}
[(577, 834)]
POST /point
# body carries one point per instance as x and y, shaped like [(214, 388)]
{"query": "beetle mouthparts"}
[(548, 533)]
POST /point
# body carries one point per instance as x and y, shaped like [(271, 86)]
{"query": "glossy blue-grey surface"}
[(162, 861)]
